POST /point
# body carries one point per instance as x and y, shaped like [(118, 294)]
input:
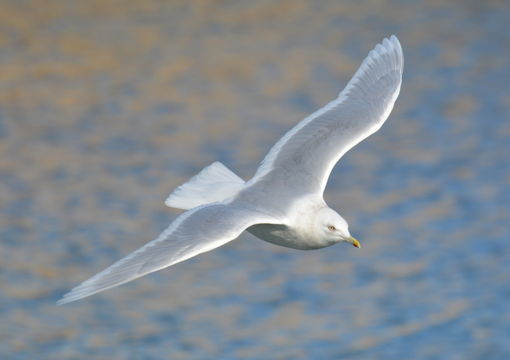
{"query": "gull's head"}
[(334, 228)]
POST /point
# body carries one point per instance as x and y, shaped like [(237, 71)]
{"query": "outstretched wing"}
[(304, 157), (196, 231)]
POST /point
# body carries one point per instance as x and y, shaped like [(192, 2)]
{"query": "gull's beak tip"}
[(354, 242)]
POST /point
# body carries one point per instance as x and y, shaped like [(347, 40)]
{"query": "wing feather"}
[(304, 157), (196, 231)]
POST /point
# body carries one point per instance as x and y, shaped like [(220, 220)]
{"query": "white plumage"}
[(214, 183), (283, 202)]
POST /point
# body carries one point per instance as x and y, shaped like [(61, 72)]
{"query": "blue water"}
[(103, 111)]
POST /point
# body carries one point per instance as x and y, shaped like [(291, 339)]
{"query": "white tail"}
[(214, 183)]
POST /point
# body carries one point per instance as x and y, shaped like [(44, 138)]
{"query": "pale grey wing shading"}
[(304, 157), (193, 232)]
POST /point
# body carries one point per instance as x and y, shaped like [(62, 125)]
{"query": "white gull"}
[(283, 203)]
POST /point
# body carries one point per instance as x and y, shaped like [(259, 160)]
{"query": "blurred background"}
[(106, 106)]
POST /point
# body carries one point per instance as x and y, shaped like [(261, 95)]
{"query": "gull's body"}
[(283, 203)]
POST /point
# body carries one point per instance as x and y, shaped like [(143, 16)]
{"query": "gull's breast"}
[(284, 235)]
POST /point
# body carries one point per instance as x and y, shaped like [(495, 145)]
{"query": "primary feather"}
[(306, 154), (196, 231)]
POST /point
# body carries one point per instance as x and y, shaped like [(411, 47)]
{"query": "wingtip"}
[(388, 44), (393, 46), (63, 300), (394, 42), (69, 297), (391, 42), (77, 293)]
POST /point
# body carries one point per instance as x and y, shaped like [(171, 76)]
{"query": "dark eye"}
[(331, 228)]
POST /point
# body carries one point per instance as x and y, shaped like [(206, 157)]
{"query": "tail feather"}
[(214, 183)]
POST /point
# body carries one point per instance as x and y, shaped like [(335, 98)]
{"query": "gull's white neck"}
[(299, 230)]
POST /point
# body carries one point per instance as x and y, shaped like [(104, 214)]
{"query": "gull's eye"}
[(331, 228)]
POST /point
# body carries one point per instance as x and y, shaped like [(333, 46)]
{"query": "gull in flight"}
[(283, 202)]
